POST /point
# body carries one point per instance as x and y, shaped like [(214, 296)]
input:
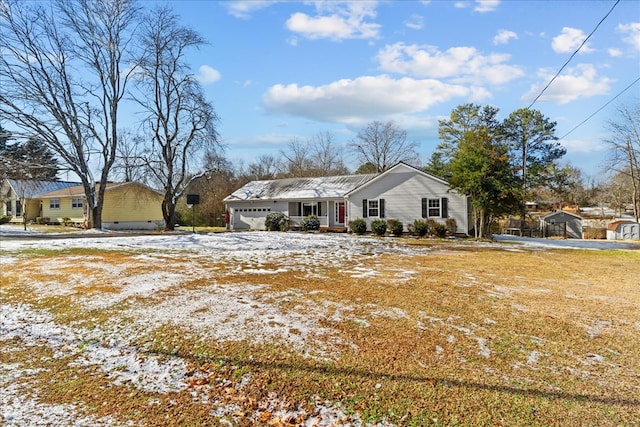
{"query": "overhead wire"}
[(573, 54), (601, 108)]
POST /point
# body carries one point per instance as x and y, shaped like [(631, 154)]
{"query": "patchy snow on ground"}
[(244, 311)]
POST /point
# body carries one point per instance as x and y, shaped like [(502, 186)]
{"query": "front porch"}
[(330, 213)]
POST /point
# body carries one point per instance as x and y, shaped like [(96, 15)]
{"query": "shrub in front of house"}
[(42, 220), (276, 221), (420, 228), (379, 227), (395, 227), (5, 219), (452, 226), (310, 223), (439, 230), (66, 221), (358, 226)]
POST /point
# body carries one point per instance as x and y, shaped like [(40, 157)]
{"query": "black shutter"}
[(445, 209), (425, 211), (319, 208), (381, 208), (365, 208)]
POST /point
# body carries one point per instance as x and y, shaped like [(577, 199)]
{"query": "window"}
[(434, 208), (76, 203), (54, 204), (311, 208), (373, 208)]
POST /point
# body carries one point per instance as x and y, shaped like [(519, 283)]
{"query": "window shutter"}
[(445, 210), (365, 208), (425, 212), (319, 208), (299, 209), (381, 208)]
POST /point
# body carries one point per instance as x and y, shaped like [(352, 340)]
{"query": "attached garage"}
[(623, 230)]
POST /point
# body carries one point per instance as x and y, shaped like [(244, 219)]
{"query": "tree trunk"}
[(169, 214)]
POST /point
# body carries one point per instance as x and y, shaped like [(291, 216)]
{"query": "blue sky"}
[(282, 70)]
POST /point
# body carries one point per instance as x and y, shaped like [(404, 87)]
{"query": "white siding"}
[(403, 188), (251, 215)]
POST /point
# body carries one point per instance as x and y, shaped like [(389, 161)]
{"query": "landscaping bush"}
[(420, 228), (5, 219), (66, 221), (594, 233), (42, 220), (276, 221), (395, 227), (379, 227), (358, 226), (440, 230), (451, 225), (310, 223)]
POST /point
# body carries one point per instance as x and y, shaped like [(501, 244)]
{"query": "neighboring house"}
[(128, 205), (561, 223), (623, 230), (20, 197), (402, 192)]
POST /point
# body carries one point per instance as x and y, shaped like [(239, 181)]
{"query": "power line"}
[(601, 108), (573, 54)]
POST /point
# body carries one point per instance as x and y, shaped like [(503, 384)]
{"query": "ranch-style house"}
[(403, 192)]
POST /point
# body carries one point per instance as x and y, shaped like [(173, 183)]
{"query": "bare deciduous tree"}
[(326, 155), (266, 166), (624, 149), (296, 159), (63, 79), (181, 120), (383, 145)]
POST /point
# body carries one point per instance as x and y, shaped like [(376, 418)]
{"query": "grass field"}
[(295, 329)]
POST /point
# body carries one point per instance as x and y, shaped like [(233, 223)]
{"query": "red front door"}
[(340, 212)]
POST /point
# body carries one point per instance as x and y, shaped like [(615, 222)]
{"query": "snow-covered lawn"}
[(219, 287)]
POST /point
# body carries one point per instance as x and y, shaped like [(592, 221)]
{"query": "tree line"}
[(71, 68)]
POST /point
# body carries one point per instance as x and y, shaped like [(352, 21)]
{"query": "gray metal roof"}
[(30, 188), (326, 187)]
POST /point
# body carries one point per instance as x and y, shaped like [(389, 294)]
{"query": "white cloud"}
[(631, 34), (481, 6), (336, 21), (504, 36), (350, 101), (415, 22), (244, 8), (569, 40), (614, 52), (486, 5), (463, 64), (584, 145), (207, 74), (575, 83)]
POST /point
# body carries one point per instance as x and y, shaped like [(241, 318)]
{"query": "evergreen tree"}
[(481, 168), (533, 147)]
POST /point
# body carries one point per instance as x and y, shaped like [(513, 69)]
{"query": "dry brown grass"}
[(471, 336)]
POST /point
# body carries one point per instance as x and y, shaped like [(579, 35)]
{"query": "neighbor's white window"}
[(54, 204), (76, 203)]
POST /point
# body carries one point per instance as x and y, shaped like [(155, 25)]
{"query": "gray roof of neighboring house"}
[(30, 188), (561, 214), (325, 187)]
